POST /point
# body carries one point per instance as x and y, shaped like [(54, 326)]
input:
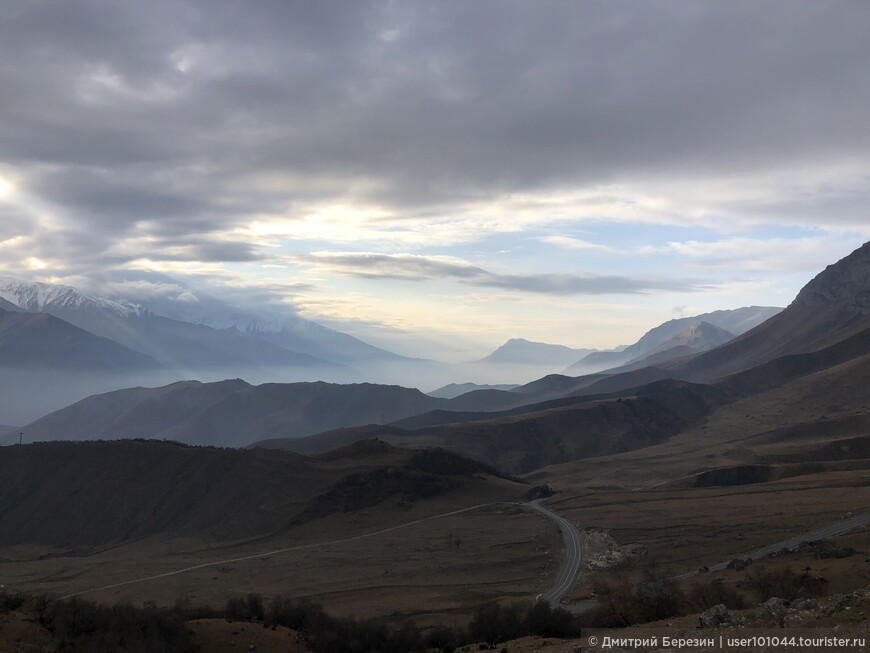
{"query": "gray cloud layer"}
[(131, 119), (420, 268)]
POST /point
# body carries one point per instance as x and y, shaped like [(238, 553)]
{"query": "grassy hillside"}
[(89, 495)]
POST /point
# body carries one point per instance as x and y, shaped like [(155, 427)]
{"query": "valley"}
[(390, 505)]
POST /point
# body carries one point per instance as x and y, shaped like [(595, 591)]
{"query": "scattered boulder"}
[(805, 605), (716, 616), (774, 608), (602, 551)]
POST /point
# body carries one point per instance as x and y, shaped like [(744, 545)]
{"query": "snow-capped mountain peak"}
[(34, 296)]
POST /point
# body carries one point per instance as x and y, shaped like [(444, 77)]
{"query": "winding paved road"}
[(573, 555)]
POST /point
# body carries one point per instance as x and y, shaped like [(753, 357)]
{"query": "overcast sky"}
[(438, 175)]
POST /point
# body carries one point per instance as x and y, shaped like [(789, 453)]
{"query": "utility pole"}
[(20, 437)]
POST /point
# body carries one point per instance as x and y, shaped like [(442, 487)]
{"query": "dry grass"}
[(221, 636), (436, 569), (647, 497)]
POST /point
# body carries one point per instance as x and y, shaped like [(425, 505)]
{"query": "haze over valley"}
[(392, 327)]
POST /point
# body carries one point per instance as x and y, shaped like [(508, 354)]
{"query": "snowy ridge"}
[(267, 327), (33, 296)]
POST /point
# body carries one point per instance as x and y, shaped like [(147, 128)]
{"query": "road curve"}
[(573, 555)]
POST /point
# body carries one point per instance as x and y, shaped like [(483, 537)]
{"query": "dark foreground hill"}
[(93, 494)]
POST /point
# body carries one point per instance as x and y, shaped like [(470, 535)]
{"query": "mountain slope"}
[(96, 494), (519, 351), (229, 413), (736, 322), (832, 307), (42, 341), (132, 413), (323, 342), (173, 343), (36, 297), (527, 440), (694, 339), (264, 322), (6, 305), (234, 413), (453, 390), (700, 337)]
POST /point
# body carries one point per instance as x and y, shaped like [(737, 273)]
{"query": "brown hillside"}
[(527, 441), (89, 495)]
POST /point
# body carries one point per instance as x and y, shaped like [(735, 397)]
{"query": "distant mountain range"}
[(235, 413), (229, 413), (695, 338), (452, 390), (821, 341), (672, 334), (519, 351), (59, 344), (210, 334), (269, 324), (172, 343), (673, 339), (825, 324), (831, 308)]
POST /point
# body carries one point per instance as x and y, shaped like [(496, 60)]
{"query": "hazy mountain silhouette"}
[(173, 343), (229, 413), (453, 390), (736, 322), (832, 307), (695, 338), (42, 341), (822, 340), (519, 351)]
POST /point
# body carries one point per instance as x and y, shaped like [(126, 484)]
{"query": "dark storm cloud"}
[(114, 201), (125, 115), (406, 267)]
